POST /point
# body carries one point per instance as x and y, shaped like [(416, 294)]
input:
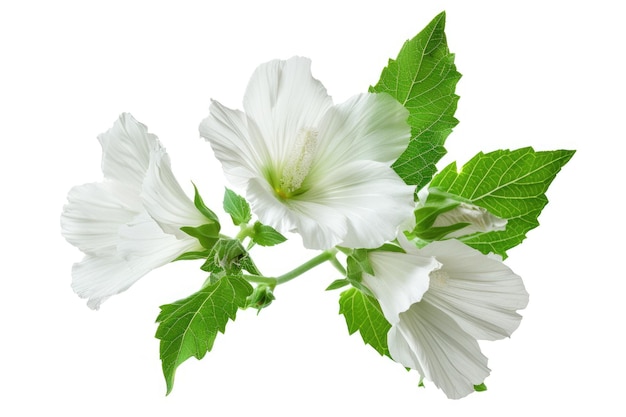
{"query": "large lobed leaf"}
[(423, 78), (511, 185), (189, 327), (362, 312)]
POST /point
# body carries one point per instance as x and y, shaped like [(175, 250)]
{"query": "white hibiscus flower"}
[(312, 167), (442, 299), (130, 223)]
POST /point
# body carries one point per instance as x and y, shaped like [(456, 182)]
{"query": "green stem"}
[(261, 280), (328, 255)]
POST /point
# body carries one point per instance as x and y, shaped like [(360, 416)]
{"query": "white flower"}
[(130, 223), (312, 167), (439, 301)]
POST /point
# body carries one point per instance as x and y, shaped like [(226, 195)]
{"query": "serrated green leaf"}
[(189, 327), (230, 256), (423, 78), (363, 313), (237, 207), (199, 203), (266, 235), (511, 185)]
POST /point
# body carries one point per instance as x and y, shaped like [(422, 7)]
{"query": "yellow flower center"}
[(298, 164)]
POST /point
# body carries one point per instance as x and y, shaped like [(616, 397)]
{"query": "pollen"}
[(298, 162), (438, 279)]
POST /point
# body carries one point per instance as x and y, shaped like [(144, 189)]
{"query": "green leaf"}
[(362, 312), (237, 207), (189, 327), (511, 185), (338, 283), (197, 201), (423, 78), (480, 387), (266, 235)]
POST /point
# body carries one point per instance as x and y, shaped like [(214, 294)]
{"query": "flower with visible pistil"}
[(439, 301), (311, 167), (130, 223)]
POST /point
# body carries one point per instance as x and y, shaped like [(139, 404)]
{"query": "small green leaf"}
[(197, 201), (207, 234), (510, 185), (266, 235), (480, 387), (338, 283), (237, 207), (363, 313), (189, 327), (423, 79)]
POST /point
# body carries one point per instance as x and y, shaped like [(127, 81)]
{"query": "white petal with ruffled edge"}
[(143, 247), (311, 168), (478, 291), (432, 343), (126, 149), (94, 213), (400, 280), (282, 98), (165, 200)]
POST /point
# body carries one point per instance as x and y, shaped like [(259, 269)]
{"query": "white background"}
[(539, 74)]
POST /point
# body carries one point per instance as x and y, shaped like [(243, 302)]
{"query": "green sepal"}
[(188, 327), (389, 247), (439, 233), (193, 255), (266, 235), (230, 256), (237, 207), (261, 297), (363, 314), (338, 283), (207, 234), (480, 387), (423, 79), (362, 260), (427, 212), (199, 203)]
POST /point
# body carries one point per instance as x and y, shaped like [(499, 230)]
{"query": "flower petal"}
[(479, 292), (366, 127), (164, 199), (126, 151), (369, 195), (235, 142), (94, 213), (430, 342), (399, 281), (282, 98), (320, 226), (143, 247)]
